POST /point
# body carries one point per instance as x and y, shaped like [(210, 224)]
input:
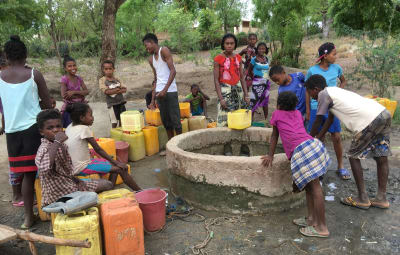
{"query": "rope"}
[(200, 247)]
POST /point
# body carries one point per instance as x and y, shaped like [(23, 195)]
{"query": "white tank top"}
[(162, 71)]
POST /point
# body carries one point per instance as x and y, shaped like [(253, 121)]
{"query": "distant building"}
[(245, 26)]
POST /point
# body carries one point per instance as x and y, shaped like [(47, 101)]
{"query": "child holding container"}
[(114, 90), (308, 160)]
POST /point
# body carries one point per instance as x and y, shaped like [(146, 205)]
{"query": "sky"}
[(249, 9)]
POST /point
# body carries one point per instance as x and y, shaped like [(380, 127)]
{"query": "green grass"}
[(396, 116)]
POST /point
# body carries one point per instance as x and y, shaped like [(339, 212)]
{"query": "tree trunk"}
[(108, 42), (52, 32), (326, 25)]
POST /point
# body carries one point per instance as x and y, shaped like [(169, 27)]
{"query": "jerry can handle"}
[(83, 212)]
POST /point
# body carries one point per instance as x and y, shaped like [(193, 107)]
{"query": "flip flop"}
[(18, 204), (381, 205), (302, 222), (311, 232), (350, 202), (344, 174)]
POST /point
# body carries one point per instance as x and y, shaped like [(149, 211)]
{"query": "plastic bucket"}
[(122, 151), (152, 204)]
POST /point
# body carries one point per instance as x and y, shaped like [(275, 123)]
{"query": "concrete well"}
[(205, 178)]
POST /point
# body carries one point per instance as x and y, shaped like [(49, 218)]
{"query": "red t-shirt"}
[(229, 69)]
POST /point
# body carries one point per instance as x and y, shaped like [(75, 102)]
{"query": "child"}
[(308, 158), (228, 72), (165, 90), (293, 82), (113, 89), (331, 72), (79, 137), (54, 162), (73, 89), (21, 89), (249, 52), (261, 85), (198, 101), (369, 121)]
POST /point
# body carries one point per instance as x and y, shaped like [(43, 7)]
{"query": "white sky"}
[(249, 9)]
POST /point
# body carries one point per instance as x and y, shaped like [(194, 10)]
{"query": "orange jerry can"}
[(38, 189), (122, 227)]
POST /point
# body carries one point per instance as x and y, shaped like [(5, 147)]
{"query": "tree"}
[(285, 19), (230, 12), (18, 16), (318, 10), (135, 18), (364, 15), (209, 28), (180, 27), (108, 42)]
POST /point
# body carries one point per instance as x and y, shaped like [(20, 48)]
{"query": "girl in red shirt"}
[(228, 72)]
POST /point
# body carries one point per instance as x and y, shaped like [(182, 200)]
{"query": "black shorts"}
[(22, 147), (169, 111)]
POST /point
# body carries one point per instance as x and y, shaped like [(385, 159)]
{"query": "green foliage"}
[(213, 53), (396, 116), (180, 27), (242, 38), (364, 15), (230, 12), (209, 29), (135, 18), (286, 19)]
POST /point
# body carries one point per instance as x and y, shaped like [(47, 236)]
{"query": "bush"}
[(242, 38), (89, 47), (210, 29), (38, 49)]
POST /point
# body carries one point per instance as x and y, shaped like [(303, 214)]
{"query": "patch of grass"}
[(396, 116)]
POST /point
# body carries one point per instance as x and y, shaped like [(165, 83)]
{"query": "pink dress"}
[(70, 87)]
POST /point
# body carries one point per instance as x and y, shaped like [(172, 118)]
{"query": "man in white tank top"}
[(164, 85), (370, 123)]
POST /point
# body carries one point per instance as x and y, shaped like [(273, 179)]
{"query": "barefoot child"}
[(165, 91), (114, 90), (293, 82), (308, 158), (261, 85), (20, 91), (198, 101), (54, 162), (369, 121), (228, 73), (331, 72), (79, 138), (73, 89)]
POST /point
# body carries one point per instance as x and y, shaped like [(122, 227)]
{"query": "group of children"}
[(307, 108), (36, 142)]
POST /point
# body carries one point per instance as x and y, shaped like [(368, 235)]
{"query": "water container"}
[(239, 119), (185, 110), (116, 134), (38, 190), (136, 142), (79, 226), (390, 105), (88, 177), (153, 117), (185, 125), (197, 122), (162, 137), (212, 125), (122, 223), (151, 140), (132, 121), (114, 194), (122, 149), (108, 145), (152, 204)]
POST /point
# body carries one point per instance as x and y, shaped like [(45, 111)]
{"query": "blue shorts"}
[(198, 111), (334, 128)]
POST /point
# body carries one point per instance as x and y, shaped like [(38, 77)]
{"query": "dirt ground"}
[(353, 231)]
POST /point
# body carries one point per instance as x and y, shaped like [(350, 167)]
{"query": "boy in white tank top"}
[(370, 123), (164, 85)]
